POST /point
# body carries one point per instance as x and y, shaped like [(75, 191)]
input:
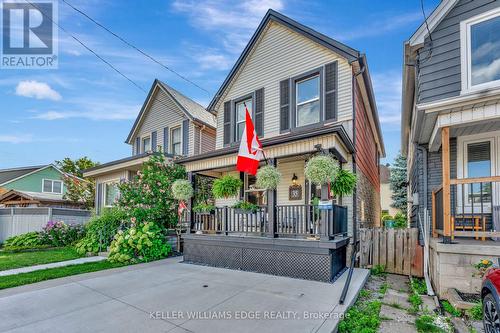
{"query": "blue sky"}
[(85, 108)]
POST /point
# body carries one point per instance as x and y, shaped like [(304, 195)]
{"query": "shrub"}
[(400, 221), (226, 187), (343, 183), (321, 169), (268, 177), (182, 190), (61, 234), (100, 231), (140, 243), (245, 205), (25, 241)]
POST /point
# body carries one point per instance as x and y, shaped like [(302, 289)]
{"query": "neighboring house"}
[(168, 122), (34, 186), (306, 92), (386, 192), (451, 136)]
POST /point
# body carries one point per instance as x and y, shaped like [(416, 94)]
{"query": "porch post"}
[(445, 151), (323, 227), (271, 206), (189, 203)]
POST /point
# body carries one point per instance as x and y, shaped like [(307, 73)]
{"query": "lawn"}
[(11, 260), (54, 273)]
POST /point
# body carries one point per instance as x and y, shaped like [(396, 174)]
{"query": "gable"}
[(33, 182)]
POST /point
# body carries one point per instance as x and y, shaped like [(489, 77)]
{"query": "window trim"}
[(143, 148), (234, 102), (171, 135), (465, 52), (293, 95), (104, 190), (52, 187)]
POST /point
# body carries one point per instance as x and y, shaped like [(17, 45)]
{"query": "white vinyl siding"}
[(281, 54), (287, 170)]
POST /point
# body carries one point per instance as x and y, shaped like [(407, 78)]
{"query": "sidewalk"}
[(52, 265)]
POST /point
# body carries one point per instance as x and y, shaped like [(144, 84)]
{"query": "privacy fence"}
[(397, 250), (16, 221)]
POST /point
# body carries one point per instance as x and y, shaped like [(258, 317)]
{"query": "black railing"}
[(226, 220), (297, 220)]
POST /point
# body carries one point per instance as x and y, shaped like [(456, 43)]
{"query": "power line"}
[(86, 47), (135, 47)]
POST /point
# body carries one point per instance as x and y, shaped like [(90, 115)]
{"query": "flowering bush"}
[(148, 197), (61, 234), (321, 169), (142, 242), (182, 189), (226, 187), (268, 177)]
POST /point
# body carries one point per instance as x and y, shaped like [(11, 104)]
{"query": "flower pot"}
[(243, 211)]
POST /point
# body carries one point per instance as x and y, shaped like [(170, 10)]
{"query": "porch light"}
[(294, 179)]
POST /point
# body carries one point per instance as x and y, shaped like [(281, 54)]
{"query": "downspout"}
[(354, 194)]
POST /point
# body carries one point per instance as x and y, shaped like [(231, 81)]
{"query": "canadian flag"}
[(250, 152)]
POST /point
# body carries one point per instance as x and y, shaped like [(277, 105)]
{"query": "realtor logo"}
[(29, 34)]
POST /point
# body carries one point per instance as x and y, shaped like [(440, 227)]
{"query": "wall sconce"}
[(294, 179)]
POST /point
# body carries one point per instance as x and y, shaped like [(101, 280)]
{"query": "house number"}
[(295, 192)]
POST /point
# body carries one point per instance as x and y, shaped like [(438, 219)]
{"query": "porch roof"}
[(329, 137)]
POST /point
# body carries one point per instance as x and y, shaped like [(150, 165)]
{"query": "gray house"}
[(451, 136), (168, 122)]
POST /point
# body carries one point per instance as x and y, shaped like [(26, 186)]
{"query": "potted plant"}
[(182, 190), (343, 183), (226, 187), (321, 169), (245, 207), (268, 177), (204, 209)]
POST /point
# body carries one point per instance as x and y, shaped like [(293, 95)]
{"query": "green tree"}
[(78, 189), (148, 197), (398, 183)]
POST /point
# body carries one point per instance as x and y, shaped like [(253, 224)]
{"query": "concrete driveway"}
[(170, 296)]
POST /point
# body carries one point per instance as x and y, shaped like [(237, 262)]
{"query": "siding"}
[(280, 54), (287, 170), (33, 182), (439, 77), (207, 141)]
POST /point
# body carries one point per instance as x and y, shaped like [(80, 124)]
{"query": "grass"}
[(426, 324), (419, 286), (11, 260), (383, 288), (54, 273), (378, 270), (448, 307), (364, 317), (476, 312), (415, 301)]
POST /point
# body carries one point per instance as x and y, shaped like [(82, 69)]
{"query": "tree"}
[(78, 189), (399, 185)]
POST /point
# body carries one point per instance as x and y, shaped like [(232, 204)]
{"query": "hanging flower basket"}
[(321, 169), (268, 178), (226, 187), (182, 190)]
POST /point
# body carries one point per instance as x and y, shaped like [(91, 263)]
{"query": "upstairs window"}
[(176, 139), (52, 186), (308, 110), (146, 144), (239, 123), (481, 51)]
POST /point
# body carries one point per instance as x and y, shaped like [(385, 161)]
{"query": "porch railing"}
[(474, 208), (290, 221)]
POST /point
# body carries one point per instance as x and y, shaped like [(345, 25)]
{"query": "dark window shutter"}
[(284, 105), (98, 199), (137, 145), (331, 74), (153, 141), (185, 137), (259, 112), (165, 140), (227, 122)]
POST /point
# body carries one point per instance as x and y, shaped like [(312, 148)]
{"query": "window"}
[(479, 165), (481, 51), (111, 194), (52, 186), (307, 93), (146, 144), (176, 139), (240, 117)]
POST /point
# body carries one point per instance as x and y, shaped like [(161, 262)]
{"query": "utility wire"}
[(135, 47), (86, 47)]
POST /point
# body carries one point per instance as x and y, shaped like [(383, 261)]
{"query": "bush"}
[(226, 187), (182, 190), (321, 169), (268, 177), (25, 241), (61, 234), (400, 221), (140, 243), (100, 231)]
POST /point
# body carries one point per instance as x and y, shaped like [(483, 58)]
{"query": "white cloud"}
[(38, 90), (93, 111), (387, 87), (15, 138)]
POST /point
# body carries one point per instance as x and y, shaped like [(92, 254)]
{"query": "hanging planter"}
[(204, 209), (268, 178), (182, 190), (343, 183), (226, 187), (321, 169)]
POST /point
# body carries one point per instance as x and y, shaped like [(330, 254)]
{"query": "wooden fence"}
[(395, 249)]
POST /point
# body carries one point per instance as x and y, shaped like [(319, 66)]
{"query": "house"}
[(386, 192), (168, 122), (33, 186), (307, 93), (451, 137)]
